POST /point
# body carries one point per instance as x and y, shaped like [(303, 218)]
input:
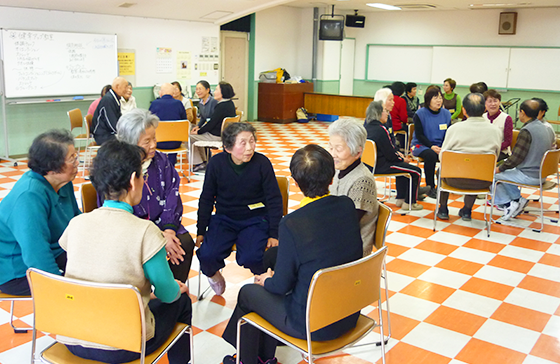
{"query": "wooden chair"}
[(514, 138), (357, 285), (76, 121), (91, 145), (171, 131), (383, 220), (410, 136), (239, 113), (88, 311), (406, 143), (466, 165), (217, 144), (12, 299), (370, 156), (549, 167), (284, 186), (89, 197)]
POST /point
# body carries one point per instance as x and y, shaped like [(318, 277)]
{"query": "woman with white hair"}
[(161, 201), (347, 139)]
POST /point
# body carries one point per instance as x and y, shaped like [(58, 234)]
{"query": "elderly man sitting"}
[(474, 135)]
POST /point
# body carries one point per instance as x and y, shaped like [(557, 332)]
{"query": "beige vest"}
[(500, 122), (110, 245)]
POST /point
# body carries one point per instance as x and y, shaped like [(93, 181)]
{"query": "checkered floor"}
[(456, 295)]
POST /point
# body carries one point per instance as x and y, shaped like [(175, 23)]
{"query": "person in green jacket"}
[(451, 101), (35, 213)]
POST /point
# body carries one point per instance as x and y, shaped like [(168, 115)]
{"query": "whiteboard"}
[(534, 69), (40, 63), (468, 65), (399, 63)]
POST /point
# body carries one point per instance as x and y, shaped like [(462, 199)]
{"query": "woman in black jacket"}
[(211, 130)]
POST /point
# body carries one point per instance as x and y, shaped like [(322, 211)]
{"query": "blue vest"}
[(434, 125), (542, 139)]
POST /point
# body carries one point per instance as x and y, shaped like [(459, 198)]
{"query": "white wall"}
[(284, 38), (140, 34), (535, 27)]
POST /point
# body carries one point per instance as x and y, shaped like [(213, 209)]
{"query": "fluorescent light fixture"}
[(383, 6), (498, 5)]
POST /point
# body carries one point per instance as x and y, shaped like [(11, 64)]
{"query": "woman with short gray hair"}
[(390, 160), (347, 139), (161, 201)]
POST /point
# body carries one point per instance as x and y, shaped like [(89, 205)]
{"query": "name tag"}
[(255, 206), (442, 126)]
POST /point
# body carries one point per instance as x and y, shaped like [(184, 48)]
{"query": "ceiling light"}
[(216, 15), (498, 5), (126, 5), (383, 6)]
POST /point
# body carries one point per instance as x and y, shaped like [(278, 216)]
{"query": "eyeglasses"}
[(73, 158)]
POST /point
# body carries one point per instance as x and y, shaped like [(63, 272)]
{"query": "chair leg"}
[(17, 330), (381, 333), (387, 300)]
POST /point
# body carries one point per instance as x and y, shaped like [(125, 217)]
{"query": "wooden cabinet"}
[(278, 102)]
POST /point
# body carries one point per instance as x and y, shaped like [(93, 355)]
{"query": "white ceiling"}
[(222, 11)]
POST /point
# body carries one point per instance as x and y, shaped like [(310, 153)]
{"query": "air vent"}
[(126, 5), (416, 6)]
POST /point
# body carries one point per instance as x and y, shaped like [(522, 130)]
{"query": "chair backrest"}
[(87, 119), (239, 113), (410, 134), (284, 186), (229, 120), (356, 285), (176, 130), (107, 314), (369, 156), (89, 197), (195, 112), (383, 220), (467, 165), (549, 163), (514, 136), (75, 117)]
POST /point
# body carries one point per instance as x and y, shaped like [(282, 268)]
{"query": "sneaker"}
[(433, 193), (510, 210), (230, 359), (522, 204), (414, 207), (218, 283), (443, 214), (482, 196), (465, 215), (269, 361), (497, 207), (199, 167), (399, 202)]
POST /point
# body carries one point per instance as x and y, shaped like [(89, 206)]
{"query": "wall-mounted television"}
[(331, 29)]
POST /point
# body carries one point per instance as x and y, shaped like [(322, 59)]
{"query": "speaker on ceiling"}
[(508, 23), (355, 21)]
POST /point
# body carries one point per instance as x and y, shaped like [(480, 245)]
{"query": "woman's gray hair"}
[(374, 111), (135, 122), (352, 132), (381, 95)]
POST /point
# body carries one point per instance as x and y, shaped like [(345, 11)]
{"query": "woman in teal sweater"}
[(451, 101), (37, 210)]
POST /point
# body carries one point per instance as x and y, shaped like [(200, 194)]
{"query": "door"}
[(235, 66), (347, 66)]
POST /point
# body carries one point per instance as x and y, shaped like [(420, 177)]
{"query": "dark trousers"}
[(20, 286), (463, 183), (254, 343), (430, 159), (250, 236), (181, 270), (170, 145), (166, 315), (402, 182)]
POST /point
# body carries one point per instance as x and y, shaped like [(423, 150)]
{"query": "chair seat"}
[(11, 297), (547, 185), (59, 354), (364, 325), (448, 188), (208, 144), (80, 137), (391, 175), (170, 151)]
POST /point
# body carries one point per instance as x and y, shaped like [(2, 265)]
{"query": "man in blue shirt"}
[(168, 109)]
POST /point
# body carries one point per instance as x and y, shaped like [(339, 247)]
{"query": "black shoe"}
[(424, 190), (465, 215), (443, 214), (199, 167), (230, 359), (433, 193)]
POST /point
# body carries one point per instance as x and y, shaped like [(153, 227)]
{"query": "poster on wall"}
[(164, 60), (207, 64), (184, 65), (127, 65)]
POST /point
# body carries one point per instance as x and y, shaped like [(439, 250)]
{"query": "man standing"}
[(167, 109), (523, 166), (474, 135), (108, 112)]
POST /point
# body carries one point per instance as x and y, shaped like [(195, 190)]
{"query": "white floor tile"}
[(396, 225), (530, 359), (398, 281), (472, 255), (542, 236), (553, 249), (552, 328), (209, 348), (495, 237), (533, 300), (436, 339), (444, 277), (404, 239), (545, 271), (429, 224), (521, 253), (22, 354), (207, 314), (506, 335), (472, 303), (422, 257), (412, 307), (448, 238), (500, 275)]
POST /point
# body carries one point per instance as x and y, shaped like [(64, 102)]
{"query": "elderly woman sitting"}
[(110, 245), (161, 201), (37, 210), (323, 232), (347, 139)]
